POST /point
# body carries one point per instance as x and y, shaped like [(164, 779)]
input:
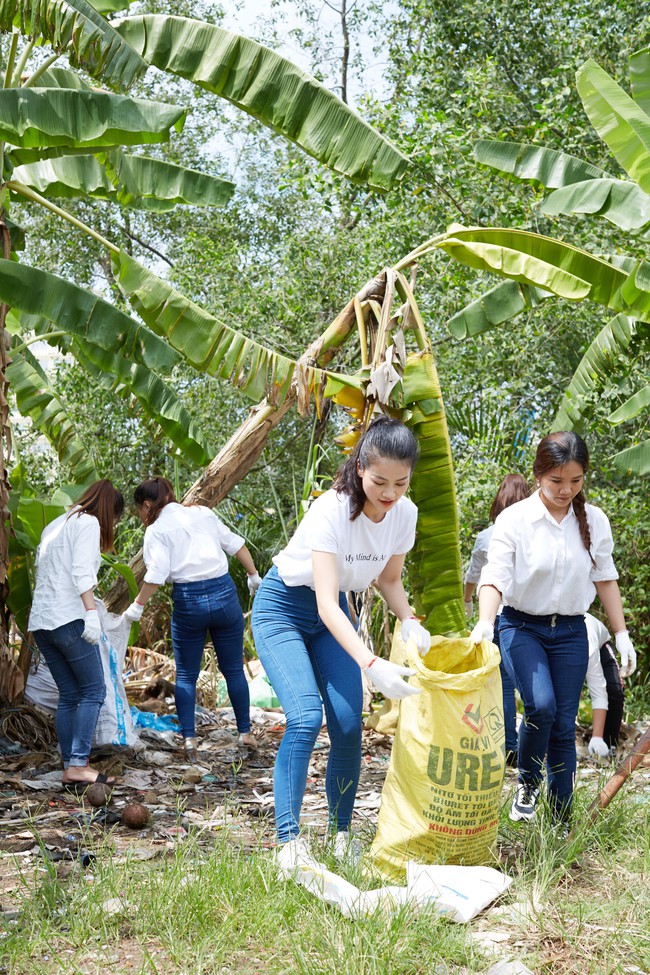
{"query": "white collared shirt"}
[(187, 544), (541, 566), (597, 634), (67, 560), (479, 555)]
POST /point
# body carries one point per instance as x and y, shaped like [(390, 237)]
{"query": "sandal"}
[(79, 789)]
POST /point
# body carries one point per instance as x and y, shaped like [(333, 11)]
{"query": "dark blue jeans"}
[(304, 663), (509, 701), (76, 667), (546, 658), (209, 606)]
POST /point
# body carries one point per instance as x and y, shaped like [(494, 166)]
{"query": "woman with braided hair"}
[(548, 557)]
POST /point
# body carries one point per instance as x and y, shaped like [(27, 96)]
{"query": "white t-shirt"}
[(67, 560), (541, 566), (187, 544), (363, 547)]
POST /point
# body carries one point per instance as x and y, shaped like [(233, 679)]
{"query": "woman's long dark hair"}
[(385, 439), (556, 450), (157, 490), (106, 504), (513, 488)]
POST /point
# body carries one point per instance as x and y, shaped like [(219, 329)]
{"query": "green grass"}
[(576, 908)]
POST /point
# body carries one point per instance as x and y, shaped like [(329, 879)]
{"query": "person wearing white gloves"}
[(605, 688), (513, 488), (65, 622), (188, 546), (355, 534), (548, 557)]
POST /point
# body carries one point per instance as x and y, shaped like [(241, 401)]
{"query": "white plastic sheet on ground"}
[(459, 893)]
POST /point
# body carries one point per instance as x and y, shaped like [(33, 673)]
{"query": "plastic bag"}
[(262, 693), (441, 798)]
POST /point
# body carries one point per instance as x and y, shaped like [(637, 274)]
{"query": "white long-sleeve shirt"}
[(187, 544), (479, 555), (67, 560), (541, 566), (597, 634)]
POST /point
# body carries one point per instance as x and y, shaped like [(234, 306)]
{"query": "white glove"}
[(93, 628), (134, 613), (626, 652), (469, 608), (598, 747), (412, 629), (387, 679), (483, 630), (254, 583)]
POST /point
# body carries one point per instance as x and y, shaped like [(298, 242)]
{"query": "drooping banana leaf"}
[(208, 344), (37, 400), (125, 179), (546, 167), (632, 407), (498, 305), (619, 121), (82, 313), (593, 371), (271, 89), (109, 6), (44, 117), (639, 65), (75, 28), (435, 570), (635, 459), (619, 201), (58, 77), (158, 400)]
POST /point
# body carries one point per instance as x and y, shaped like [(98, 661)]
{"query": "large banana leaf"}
[(596, 366), (498, 305), (75, 28), (618, 120), (635, 459), (208, 344), (129, 180), (36, 117), (621, 202), (109, 6), (547, 167), (158, 400), (632, 407), (270, 88), (82, 314), (37, 400), (434, 566), (639, 64)]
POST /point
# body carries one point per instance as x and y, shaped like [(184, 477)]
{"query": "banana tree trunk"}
[(5, 452), (242, 451)]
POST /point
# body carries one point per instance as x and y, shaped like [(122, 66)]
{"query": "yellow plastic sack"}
[(441, 798)]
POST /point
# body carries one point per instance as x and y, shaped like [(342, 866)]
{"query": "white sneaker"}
[(524, 803), (346, 847), (294, 856)]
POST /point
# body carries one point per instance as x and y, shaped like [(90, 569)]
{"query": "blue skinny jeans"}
[(509, 701), (305, 664), (76, 667), (208, 606), (546, 658)]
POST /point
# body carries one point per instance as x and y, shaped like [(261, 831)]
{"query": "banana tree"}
[(578, 188)]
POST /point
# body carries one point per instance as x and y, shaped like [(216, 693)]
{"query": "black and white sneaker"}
[(524, 803)]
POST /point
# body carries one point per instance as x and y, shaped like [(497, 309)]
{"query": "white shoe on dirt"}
[(347, 848), (294, 856), (524, 803)]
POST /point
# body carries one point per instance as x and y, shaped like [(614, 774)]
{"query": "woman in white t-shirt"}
[(353, 535), (188, 546), (66, 625), (548, 557)]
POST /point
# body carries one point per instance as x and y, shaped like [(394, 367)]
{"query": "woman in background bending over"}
[(65, 621), (513, 488), (188, 545), (548, 557)]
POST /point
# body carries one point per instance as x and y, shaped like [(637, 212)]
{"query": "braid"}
[(581, 514)]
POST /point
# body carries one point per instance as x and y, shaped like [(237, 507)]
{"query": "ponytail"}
[(159, 492), (580, 510)]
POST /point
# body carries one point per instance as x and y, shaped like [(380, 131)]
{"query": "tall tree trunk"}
[(242, 451), (5, 446)]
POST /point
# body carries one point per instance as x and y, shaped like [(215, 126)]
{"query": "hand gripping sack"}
[(440, 802)]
